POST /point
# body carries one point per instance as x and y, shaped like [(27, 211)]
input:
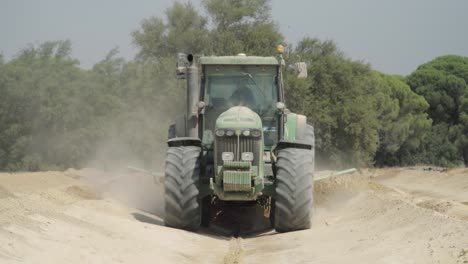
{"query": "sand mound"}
[(4, 193), (83, 192), (382, 216), (344, 185)]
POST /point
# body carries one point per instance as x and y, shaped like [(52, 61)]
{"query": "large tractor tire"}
[(294, 187), (182, 205), (309, 137)]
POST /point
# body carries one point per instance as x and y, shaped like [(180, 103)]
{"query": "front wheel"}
[(293, 204), (182, 206), (292, 209)]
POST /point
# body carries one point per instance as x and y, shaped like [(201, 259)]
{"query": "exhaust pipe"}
[(193, 96)]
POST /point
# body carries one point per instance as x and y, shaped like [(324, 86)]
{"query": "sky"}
[(393, 36)]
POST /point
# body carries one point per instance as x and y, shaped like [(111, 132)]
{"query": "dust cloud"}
[(127, 159)]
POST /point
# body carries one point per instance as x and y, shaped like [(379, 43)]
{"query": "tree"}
[(55, 112), (184, 30), (242, 26), (462, 140), (443, 82), (404, 122), (340, 99)]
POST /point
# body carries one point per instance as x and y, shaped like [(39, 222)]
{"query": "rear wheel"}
[(182, 206), (294, 187)]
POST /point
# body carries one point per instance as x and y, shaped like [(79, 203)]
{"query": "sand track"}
[(380, 216)]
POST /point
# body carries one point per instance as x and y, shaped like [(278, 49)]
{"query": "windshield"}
[(234, 85)]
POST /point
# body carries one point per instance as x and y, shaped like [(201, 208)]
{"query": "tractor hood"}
[(239, 117)]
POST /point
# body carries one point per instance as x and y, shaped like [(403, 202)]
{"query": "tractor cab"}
[(252, 82)]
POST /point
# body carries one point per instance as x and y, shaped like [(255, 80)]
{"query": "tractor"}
[(237, 143)]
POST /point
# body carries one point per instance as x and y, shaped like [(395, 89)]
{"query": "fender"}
[(184, 142), (180, 126), (282, 144), (295, 126)]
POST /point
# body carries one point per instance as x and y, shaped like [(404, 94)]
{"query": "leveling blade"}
[(158, 177), (335, 173)]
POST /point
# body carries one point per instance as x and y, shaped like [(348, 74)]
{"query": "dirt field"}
[(379, 216)]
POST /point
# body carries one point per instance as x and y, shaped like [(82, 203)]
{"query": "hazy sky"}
[(393, 36)]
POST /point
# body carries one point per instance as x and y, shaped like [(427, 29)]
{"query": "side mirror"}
[(301, 70), (181, 65), (280, 106), (197, 108), (200, 105), (180, 73)]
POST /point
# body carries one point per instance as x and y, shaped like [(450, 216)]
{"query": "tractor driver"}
[(243, 96)]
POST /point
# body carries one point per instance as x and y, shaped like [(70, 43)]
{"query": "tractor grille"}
[(229, 144)]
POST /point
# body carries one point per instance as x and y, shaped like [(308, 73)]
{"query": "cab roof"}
[(239, 60)]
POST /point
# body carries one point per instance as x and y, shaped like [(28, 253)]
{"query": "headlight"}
[(220, 132), (256, 133), (247, 156), (230, 133), (227, 156), (246, 133)]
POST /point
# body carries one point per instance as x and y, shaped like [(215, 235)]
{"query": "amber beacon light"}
[(280, 49)]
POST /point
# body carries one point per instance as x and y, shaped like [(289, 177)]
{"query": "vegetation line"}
[(55, 115)]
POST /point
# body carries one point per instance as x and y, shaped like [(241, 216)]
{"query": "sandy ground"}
[(378, 216)]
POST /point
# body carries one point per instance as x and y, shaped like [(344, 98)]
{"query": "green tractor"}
[(237, 143)]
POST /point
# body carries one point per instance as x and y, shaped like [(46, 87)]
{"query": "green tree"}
[(443, 82), (404, 122), (184, 30), (242, 26), (340, 99), (462, 140), (55, 111)]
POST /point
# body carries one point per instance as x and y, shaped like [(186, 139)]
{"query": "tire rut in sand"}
[(235, 255)]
